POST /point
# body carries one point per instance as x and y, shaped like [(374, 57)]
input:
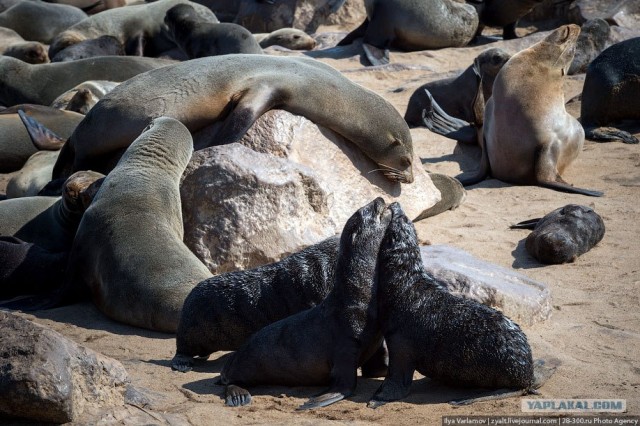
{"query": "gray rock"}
[(288, 184), (625, 13), (520, 298), (47, 378)]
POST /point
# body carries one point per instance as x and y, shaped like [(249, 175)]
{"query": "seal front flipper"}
[(609, 134), (397, 383), (343, 381), (237, 396), (42, 138), (375, 55)]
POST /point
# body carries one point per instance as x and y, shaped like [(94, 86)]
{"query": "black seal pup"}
[(327, 343), (564, 234), (222, 312), (445, 337), (611, 92), (198, 37)]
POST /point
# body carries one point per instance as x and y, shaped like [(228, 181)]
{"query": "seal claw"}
[(237, 396), (321, 401)]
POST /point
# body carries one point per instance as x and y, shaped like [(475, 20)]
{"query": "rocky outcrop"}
[(520, 298), (288, 184), (47, 378)]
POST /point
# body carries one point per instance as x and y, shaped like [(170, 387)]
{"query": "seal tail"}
[(438, 121), (42, 138), (609, 134), (565, 187)]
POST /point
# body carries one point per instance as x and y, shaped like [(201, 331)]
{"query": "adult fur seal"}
[(128, 249), (50, 222), (198, 37), (611, 92), (16, 145), (327, 343), (140, 28), (445, 337), (291, 38), (503, 13), (26, 268), (40, 21), (22, 83), (456, 95), (12, 44), (413, 25), (236, 90), (528, 137), (101, 46), (222, 312), (564, 234)]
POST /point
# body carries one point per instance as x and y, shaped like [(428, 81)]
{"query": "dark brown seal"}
[(564, 234), (327, 343), (101, 46), (447, 338), (611, 92), (503, 13)]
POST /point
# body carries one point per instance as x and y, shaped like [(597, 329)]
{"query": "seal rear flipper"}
[(42, 138), (609, 134), (322, 400), (526, 224), (376, 56), (565, 187), (182, 363), (397, 383), (481, 174), (355, 34), (438, 121), (490, 396), (237, 396)]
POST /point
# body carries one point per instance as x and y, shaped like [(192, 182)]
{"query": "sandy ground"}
[(594, 329)]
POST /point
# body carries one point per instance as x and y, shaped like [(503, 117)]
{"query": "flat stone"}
[(522, 299)]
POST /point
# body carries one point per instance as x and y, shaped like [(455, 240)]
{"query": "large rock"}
[(47, 378), (625, 13), (520, 298), (289, 184)]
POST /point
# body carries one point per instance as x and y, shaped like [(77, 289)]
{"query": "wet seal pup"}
[(611, 92), (102, 46), (503, 13), (140, 28), (84, 96), (413, 25), (39, 20), (50, 222), (564, 234), (528, 138), (22, 83), (232, 92), (16, 144), (198, 37), (12, 44), (448, 338), (128, 250), (26, 268), (291, 38), (593, 38), (327, 343), (456, 95), (222, 312)]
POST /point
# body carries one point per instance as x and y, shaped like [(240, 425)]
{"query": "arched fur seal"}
[(528, 136), (101, 46), (128, 249), (611, 92), (456, 95), (33, 176), (16, 146), (12, 44), (327, 343), (503, 13), (26, 268), (131, 25), (222, 312), (40, 21), (564, 234), (445, 337), (413, 25), (291, 38), (50, 222), (593, 38), (237, 89), (40, 84), (84, 96), (198, 37)]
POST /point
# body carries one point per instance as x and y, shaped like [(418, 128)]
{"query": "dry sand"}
[(594, 329)]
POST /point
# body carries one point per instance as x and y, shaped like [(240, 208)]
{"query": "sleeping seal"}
[(448, 338), (291, 38), (564, 234), (324, 344)]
